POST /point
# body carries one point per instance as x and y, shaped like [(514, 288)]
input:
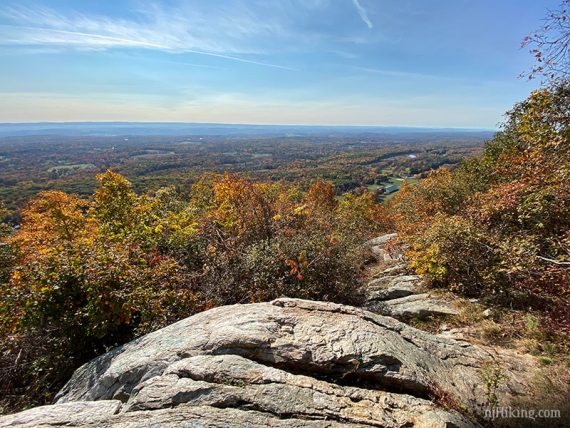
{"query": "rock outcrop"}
[(392, 287), (397, 296), (285, 363), (377, 246)]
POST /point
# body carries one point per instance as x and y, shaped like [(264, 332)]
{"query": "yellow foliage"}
[(427, 261)]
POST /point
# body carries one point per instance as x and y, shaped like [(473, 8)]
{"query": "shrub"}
[(499, 225), (453, 253), (89, 274)]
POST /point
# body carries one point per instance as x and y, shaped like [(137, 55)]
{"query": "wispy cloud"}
[(362, 13), (231, 36), (29, 35)]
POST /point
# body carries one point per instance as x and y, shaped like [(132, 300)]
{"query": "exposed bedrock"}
[(289, 362)]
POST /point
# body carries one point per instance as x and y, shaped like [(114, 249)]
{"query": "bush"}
[(500, 225), (453, 253), (308, 267), (90, 274)]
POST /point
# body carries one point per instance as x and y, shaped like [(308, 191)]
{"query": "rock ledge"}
[(286, 363)]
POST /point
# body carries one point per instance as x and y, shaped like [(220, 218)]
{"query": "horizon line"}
[(101, 122)]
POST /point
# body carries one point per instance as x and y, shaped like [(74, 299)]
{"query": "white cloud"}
[(226, 34), (406, 74), (362, 13)]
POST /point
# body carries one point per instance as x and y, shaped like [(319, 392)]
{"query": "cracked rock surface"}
[(419, 306), (397, 296), (286, 363)]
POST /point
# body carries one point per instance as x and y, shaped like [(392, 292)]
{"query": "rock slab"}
[(286, 363)]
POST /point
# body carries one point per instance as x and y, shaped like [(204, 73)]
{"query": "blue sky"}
[(437, 63)]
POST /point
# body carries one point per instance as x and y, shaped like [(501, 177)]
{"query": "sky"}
[(437, 63)]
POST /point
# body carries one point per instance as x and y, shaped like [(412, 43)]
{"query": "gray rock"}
[(311, 336), (384, 255), (380, 241), (233, 381), (391, 287), (323, 339), (401, 289), (398, 268), (418, 306), (382, 282), (454, 333), (286, 363), (393, 280), (189, 416), (72, 413), (377, 246)]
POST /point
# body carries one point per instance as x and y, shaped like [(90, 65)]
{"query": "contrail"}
[(362, 13)]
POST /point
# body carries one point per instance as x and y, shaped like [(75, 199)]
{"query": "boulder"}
[(380, 241), (184, 415), (230, 381), (392, 280), (377, 246), (323, 339), (397, 268), (391, 287), (394, 292), (385, 256), (413, 306), (286, 363), (388, 287), (74, 413)]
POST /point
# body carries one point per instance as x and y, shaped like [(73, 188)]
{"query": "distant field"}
[(396, 181), (30, 164), (79, 166)]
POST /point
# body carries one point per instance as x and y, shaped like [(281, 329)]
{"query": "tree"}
[(114, 202), (550, 45), (83, 280), (500, 224), (6, 253), (321, 196)]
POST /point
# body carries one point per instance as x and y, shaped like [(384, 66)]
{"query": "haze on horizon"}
[(446, 63)]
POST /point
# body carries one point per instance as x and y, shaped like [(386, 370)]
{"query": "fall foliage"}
[(87, 274), (499, 226)]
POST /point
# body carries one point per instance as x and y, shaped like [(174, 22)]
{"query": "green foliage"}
[(455, 254), (114, 203), (493, 376), (500, 224), (6, 253)]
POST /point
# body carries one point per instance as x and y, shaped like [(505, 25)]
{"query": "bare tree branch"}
[(556, 262), (550, 46)]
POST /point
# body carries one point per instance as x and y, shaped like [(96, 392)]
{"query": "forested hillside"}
[(31, 164), (499, 226)]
